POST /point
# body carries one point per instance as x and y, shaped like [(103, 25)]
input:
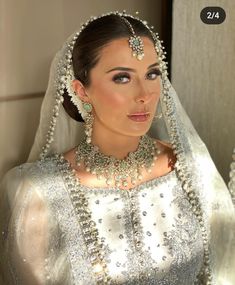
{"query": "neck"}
[(114, 144)]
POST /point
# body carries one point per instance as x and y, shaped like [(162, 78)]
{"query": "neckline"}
[(154, 181)]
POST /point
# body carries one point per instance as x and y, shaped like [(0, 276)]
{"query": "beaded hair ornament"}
[(64, 78)]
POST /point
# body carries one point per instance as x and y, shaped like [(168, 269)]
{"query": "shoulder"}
[(33, 169), (30, 176), (19, 189)]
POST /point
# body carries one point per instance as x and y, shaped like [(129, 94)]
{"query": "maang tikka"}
[(135, 42)]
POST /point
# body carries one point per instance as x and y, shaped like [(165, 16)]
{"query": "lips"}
[(143, 113), (139, 117)]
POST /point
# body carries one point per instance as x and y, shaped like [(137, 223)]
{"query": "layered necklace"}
[(109, 167)]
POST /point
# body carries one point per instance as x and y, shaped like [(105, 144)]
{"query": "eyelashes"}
[(156, 72), (118, 77)]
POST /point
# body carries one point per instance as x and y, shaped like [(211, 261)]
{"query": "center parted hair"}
[(91, 40)]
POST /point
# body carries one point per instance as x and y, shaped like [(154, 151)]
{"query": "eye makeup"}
[(118, 77)]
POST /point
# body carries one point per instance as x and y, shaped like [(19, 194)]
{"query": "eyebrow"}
[(131, 69)]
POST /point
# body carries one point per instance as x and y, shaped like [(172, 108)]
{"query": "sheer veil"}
[(201, 181)]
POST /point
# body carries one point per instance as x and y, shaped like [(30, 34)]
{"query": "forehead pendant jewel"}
[(135, 42), (136, 45)]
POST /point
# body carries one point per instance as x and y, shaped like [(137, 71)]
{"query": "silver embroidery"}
[(177, 258)]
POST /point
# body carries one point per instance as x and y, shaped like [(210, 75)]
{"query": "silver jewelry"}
[(137, 45), (118, 169), (88, 121), (135, 42)]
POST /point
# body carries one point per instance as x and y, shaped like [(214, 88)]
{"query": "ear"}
[(80, 90)]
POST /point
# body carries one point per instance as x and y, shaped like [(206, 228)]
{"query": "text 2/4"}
[(213, 15)]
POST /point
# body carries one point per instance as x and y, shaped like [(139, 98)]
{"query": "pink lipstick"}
[(141, 117)]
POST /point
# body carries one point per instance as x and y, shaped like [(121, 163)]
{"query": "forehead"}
[(119, 53)]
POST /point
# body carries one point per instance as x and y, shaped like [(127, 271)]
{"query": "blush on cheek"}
[(115, 102), (109, 109)]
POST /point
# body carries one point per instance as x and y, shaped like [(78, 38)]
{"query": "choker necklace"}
[(119, 169)]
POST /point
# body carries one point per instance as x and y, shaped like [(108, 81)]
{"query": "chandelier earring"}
[(88, 120)]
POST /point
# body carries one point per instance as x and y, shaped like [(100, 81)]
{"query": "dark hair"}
[(91, 40)]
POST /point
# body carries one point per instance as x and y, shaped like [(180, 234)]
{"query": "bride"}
[(118, 187)]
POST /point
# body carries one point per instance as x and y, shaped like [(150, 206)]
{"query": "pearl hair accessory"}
[(72, 94)]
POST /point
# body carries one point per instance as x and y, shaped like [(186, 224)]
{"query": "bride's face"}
[(122, 85)]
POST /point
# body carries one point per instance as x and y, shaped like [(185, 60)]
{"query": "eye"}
[(121, 78), (154, 74)]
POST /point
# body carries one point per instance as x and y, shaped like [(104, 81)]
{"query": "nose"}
[(143, 93)]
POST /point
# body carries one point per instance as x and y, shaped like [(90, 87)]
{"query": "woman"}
[(122, 198)]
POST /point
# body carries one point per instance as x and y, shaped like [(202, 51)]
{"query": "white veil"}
[(195, 168), (231, 184)]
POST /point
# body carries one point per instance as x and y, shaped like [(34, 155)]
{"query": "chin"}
[(133, 131), (138, 133), (141, 130)]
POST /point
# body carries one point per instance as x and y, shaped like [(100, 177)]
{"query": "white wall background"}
[(203, 74)]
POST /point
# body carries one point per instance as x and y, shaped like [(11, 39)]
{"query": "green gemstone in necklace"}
[(111, 168)]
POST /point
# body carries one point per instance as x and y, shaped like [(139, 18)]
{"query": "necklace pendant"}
[(110, 168)]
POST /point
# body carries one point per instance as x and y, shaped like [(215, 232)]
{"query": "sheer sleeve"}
[(24, 231), (32, 245)]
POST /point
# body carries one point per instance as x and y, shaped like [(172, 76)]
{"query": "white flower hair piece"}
[(72, 94)]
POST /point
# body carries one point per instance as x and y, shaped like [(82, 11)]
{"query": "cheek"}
[(110, 102), (156, 96), (156, 93)]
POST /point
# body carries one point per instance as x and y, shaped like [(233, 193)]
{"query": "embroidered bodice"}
[(147, 235)]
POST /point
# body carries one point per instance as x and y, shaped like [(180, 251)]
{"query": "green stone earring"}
[(87, 106)]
